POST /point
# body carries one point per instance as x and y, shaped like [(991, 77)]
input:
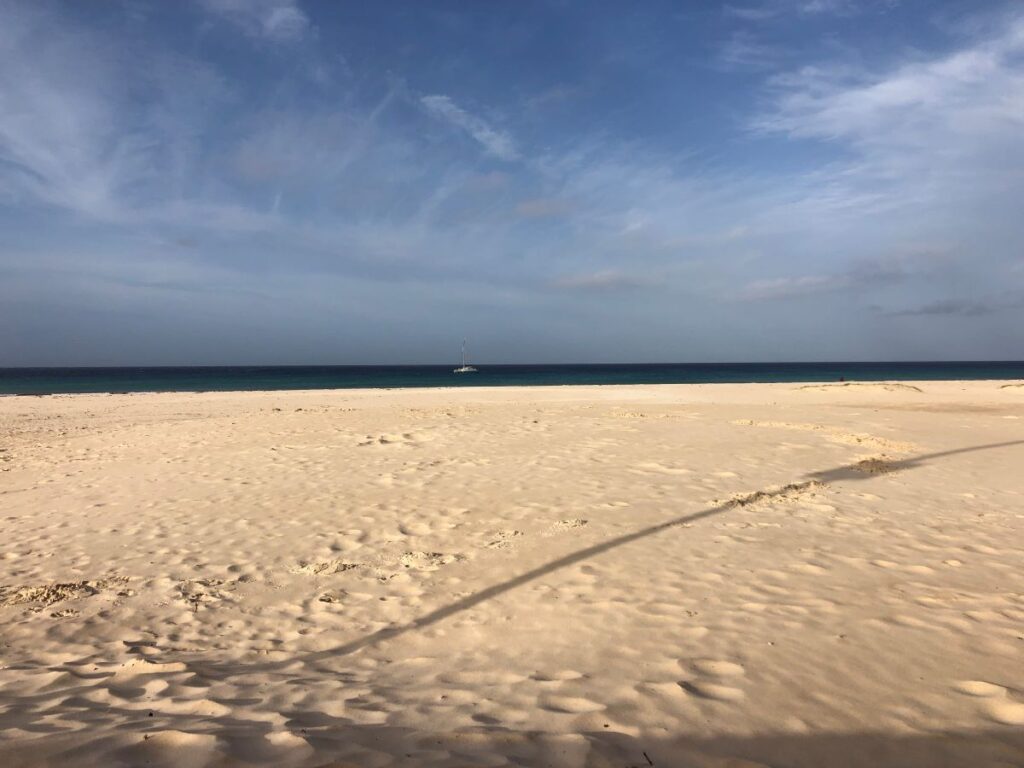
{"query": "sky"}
[(219, 182)]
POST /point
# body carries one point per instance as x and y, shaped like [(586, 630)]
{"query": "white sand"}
[(720, 575)]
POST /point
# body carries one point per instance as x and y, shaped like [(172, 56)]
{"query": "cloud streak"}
[(601, 281), (74, 133), (277, 21), (771, 9), (927, 131), (494, 142), (962, 307)]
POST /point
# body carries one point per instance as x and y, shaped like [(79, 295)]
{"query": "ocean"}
[(39, 381)]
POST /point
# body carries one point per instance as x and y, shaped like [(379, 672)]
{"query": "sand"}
[(702, 575)]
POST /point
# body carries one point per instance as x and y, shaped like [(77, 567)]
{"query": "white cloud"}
[(826, 6), (743, 51), (493, 141), (770, 9), (280, 21), (970, 91), (364, 191), (751, 12), (790, 287), (58, 143), (951, 308), (932, 130), (73, 131), (863, 275)]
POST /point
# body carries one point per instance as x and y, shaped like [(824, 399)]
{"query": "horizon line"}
[(508, 365)]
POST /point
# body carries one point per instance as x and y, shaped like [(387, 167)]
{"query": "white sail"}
[(465, 367)]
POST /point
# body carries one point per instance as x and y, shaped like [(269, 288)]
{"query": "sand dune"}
[(704, 575)]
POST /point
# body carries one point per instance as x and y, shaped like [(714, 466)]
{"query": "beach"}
[(678, 575)]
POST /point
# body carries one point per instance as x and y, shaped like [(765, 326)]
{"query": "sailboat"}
[(464, 368)]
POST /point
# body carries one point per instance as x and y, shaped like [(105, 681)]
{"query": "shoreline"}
[(1007, 383)]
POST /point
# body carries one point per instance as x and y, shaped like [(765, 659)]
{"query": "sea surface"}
[(39, 381)]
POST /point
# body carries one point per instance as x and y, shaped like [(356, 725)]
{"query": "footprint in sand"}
[(779, 494), (836, 436), (653, 467), (809, 568), (323, 567), (556, 677), (43, 596), (1006, 712), (414, 529), (720, 671), (569, 704), (205, 591), (504, 539), (713, 691), (569, 524), (426, 561), (979, 688), (920, 570), (876, 466), (404, 439), (717, 668), (996, 702)]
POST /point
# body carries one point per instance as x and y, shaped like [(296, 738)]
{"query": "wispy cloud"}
[(861, 276), (963, 307), (185, 174), (835, 6), (770, 9), (73, 132), (742, 50), (930, 130), (750, 12), (495, 142), (791, 287), (955, 307), (601, 281), (973, 90), (279, 21)]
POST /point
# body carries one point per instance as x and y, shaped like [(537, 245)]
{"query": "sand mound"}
[(48, 594), (888, 386)]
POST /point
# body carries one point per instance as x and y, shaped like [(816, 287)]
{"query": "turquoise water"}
[(37, 381)]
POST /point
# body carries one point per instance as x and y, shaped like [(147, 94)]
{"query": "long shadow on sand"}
[(846, 473), (329, 738), (333, 742)]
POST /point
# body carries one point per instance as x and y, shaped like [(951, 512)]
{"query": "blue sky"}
[(287, 181)]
